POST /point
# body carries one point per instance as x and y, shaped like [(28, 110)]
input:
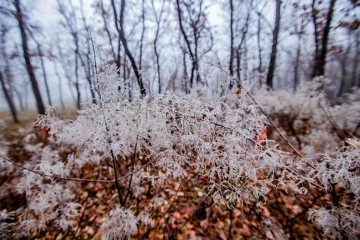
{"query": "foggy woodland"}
[(161, 46), (180, 119)]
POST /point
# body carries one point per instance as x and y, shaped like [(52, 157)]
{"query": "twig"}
[(54, 176), (230, 227), (72, 179), (339, 132), (131, 176)]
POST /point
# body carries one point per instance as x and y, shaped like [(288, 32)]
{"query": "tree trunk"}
[(231, 60), (77, 83), (120, 30), (29, 67), (60, 86), (45, 77), (40, 53), (20, 99), (272, 64), (88, 64), (193, 60), (259, 49), (297, 62), (185, 74), (142, 34), (356, 59), (107, 30), (157, 56), (320, 54), (238, 66), (239, 49), (9, 100)]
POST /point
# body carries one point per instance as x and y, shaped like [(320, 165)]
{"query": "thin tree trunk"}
[(40, 53), (183, 32), (77, 83), (231, 60), (272, 64), (157, 56), (45, 77), (60, 86), (87, 66), (9, 100), (20, 99), (297, 62), (157, 64), (142, 34), (29, 67), (259, 48), (107, 30), (185, 73), (238, 66), (343, 64), (26, 96), (356, 59)]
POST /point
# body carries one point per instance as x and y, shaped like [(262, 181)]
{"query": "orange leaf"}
[(263, 135)]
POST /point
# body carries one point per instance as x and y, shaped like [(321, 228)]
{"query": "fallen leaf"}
[(246, 230), (353, 142), (177, 216)]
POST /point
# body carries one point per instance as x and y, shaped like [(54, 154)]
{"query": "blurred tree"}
[(193, 23), (29, 67), (322, 27), (272, 64)]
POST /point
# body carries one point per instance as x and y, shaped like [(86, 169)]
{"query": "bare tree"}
[(40, 53), (299, 31), (29, 67), (6, 83), (158, 17), (104, 14), (66, 63), (8, 98), (244, 30), (61, 97), (119, 24), (88, 63), (272, 64), (356, 59), (192, 18), (71, 24), (231, 69), (142, 33)]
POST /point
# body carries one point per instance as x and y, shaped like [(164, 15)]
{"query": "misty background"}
[(69, 41)]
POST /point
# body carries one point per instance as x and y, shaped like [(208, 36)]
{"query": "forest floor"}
[(187, 213)]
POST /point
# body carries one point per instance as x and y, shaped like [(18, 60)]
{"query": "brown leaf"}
[(177, 216), (246, 230)]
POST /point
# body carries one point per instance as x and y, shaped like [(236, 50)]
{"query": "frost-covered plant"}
[(4, 222), (5, 166), (215, 139), (340, 177), (170, 133), (121, 224), (305, 117), (48, 199), (153, 139)]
